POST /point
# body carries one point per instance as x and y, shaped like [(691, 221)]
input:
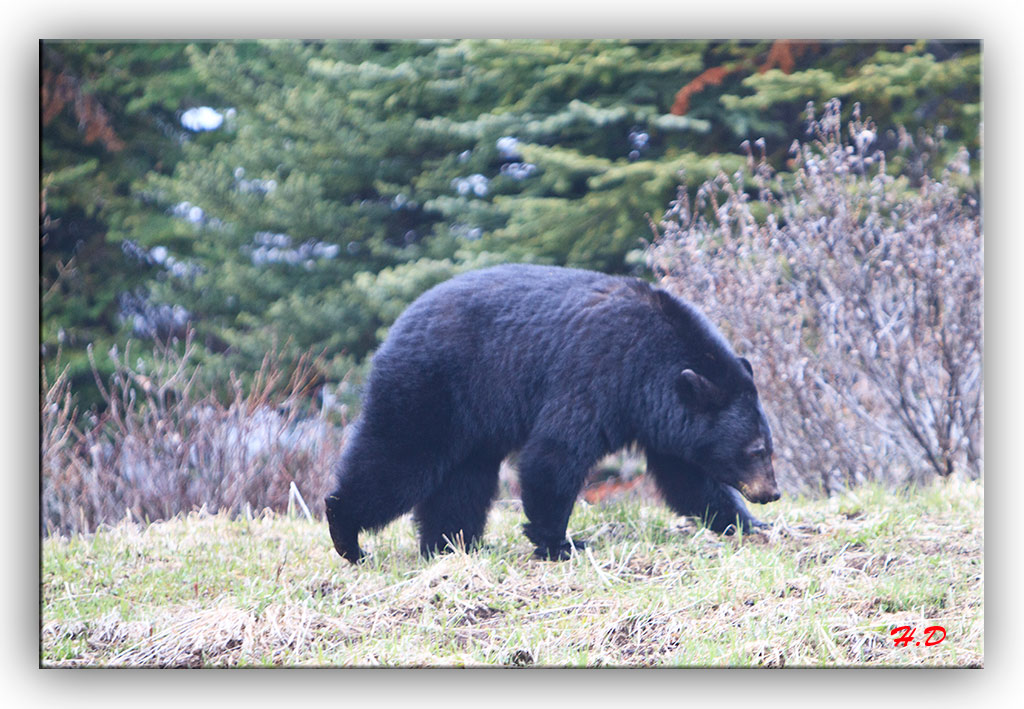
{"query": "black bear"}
[(563, 366)]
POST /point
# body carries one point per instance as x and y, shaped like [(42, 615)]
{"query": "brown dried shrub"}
[(158, 448), (856, 293)]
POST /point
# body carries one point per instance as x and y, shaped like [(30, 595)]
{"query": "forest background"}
[(234, 199)]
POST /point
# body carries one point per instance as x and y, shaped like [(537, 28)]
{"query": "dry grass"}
[(822, 588)]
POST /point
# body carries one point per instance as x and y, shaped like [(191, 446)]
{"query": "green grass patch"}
[(823, 587)]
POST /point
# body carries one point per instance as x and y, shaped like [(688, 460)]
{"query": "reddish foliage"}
[(782, 55), (57, 90), (709, 77)]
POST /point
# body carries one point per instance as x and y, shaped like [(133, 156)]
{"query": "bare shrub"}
[(159, 449), (856, 293)]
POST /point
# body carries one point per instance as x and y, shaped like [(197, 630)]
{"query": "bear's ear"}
[(699, 391), (746, 365)]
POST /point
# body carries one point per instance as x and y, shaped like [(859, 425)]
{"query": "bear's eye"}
[(757, 451)]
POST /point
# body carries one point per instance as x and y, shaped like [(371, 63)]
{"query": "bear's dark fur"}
[(563, 366)]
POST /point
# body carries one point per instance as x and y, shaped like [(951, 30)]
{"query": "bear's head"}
[(729, 435)]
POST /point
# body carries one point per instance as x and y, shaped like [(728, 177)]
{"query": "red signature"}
[(907, 635)]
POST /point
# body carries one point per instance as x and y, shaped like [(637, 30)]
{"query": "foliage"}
[(759, 89), (857, 294), (107, 114)]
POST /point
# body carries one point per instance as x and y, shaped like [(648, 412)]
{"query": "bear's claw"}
[(560, 551)]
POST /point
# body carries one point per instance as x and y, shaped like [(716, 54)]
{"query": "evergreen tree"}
[(107, 115), (576, 146), (306, 186)]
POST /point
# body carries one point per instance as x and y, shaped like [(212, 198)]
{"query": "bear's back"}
[(544, 314), (521, 294), (493, 347)]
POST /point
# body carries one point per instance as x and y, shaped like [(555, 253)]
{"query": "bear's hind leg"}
[(689, 491), (456, 511)]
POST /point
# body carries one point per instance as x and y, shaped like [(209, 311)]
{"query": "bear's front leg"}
[(550, 475), (344, 536), (689, 491)]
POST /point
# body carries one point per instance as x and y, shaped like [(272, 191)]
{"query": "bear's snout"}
[(761, 487), (763, 496)]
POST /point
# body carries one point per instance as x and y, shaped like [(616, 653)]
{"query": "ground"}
[(824, 587)]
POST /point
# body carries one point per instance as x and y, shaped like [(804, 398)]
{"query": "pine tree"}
[(306, 186), (107, 118)]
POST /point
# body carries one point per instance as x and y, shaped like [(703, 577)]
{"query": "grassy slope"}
[(822, 588)]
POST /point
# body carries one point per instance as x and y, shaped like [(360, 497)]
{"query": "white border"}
[(991, 20)]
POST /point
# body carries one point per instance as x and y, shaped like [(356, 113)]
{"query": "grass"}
[(822, 588)]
